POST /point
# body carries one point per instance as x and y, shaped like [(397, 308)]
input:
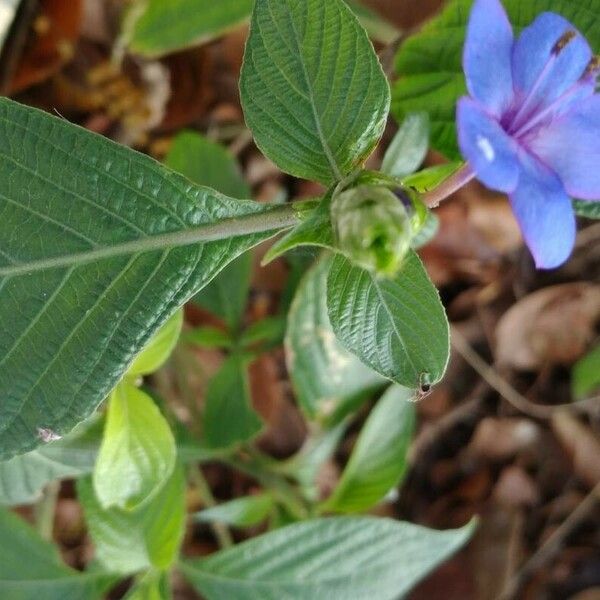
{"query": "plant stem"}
[(220, 530), (449, 186), (277, 218), (44, 510)]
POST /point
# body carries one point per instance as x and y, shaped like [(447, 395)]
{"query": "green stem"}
[(278, 486), (44, 510), (221, 532), (278, 218)]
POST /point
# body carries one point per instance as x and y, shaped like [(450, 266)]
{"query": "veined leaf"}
[(22, 478), (349, 558), (396, 326), (379, 458), (228, 415), (325, 375), (99, 246), (138, 450), (168, 26), (31, 569), (147, 537), (313, 92), (240, 512), (429, 68)]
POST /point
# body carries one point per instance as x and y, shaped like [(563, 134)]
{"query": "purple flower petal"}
[(544, 212), (483, 142), (543, 69), (571, 147), (487, 56)]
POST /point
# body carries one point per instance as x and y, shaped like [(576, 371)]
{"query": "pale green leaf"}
[(99, 246), (396, 326), (268, 331), (429, 178), (241, 512), (229, 418), (379, 457), (407, 150), (158, 350), (343, 558), (168, 26), (585, 377), (31, 569), (128, 541), (138, 450), (23, 477), (324, 374), (313, 92), (429, 64)]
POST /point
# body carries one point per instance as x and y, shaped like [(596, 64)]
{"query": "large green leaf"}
[(429, 63), (324, 374), (138, 450), (313, 91), (99, 246), (31, 569), (344, 558), (127, 541), (228, 415), (168, 26), (396, 326), (23, 477), (379, 458)]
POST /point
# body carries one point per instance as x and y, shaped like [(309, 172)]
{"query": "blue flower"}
[(531, 126)]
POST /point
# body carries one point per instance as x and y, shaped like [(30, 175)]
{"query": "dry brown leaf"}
[(551, 326), (499, 439), (582, 445)]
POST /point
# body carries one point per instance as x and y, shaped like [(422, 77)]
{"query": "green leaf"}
[(345, 557), (209, 337), (229, 418), (241, 512), (109, 245), (22, 478), (158, 350), (396, 326), (168, 26), (227, 294), (313, 92), (379, 458), (316, 230), (429, 64), (138, 450), (585, 377), (407, 150), (429, 178), (206, 162), (589, 210), (268, 331), (427, 231), (326, 377), (31, 569), (128, 541), (153, 585)]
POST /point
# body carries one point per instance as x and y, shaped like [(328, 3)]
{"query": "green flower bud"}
[(372, 227)]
